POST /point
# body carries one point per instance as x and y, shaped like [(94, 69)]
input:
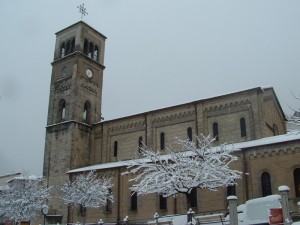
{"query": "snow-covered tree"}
[(179, 171), (87, 191), (22, 198), (293, 122)]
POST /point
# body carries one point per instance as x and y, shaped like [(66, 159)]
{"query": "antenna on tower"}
[(82, 10)]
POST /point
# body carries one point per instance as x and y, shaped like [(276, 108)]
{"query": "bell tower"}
[(74, 104), (76, 84)]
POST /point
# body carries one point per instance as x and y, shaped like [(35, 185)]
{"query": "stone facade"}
[(76, 138)]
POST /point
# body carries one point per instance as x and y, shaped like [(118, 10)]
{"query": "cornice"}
[(274, 151), (227, 105), (174, 116), (138, 124)]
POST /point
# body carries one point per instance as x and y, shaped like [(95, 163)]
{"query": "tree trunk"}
[(84, 215), (188, 201)]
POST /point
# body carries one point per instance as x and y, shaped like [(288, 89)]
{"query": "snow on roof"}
[(21, 177), (292, 136)]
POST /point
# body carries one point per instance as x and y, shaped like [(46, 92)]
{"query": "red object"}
[(275, 216)]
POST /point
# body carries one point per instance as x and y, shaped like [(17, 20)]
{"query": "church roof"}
[(292, 136), (82, 23), (228, 95)]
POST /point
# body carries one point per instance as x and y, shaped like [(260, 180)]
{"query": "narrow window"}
[(297, 182), (243, 127), (133, 201), (72, 45), (216, 131), (162, 202), (96, 52), (85, 47), (62, 50), (190, 134), (61, 110), (192, 198), (115, 149), (231, 190), (91, 50), (162, 140), (86, 112), (140, 144), (266, 184), (68, 46)]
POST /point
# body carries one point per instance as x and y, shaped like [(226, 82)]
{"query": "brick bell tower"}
[(74, 105)]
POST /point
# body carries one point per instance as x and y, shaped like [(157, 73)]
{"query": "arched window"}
[(133, 201), (115, 149), (243, 127), (86, 111), (62, 50), (162, 202), (162, 140), (190, 134), (266, 186), (68, 47), (91, 50), (192, 198), (72, 45), (85, 47), (297, 182), (62, 110), (216, 131), (140, 144), (96, 53)]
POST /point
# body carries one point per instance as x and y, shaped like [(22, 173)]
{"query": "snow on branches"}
[(22, 198), (87, 191), (180, 171)]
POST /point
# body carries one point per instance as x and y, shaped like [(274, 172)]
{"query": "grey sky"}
[(158, 54)]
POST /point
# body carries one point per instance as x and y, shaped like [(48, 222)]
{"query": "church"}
[(79, 140)]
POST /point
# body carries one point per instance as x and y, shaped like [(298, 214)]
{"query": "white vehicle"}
[(256, 211)]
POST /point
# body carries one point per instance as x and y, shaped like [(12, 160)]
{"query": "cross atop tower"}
[(82, 10)]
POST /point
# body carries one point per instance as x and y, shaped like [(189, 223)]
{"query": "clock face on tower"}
[(89, 73)]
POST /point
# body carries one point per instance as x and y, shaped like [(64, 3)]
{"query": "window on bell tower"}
[(85, 47), (96, 53), (91, 50), (86, 111), (68, 46), (62, 50), (72, 45), (61, 110)]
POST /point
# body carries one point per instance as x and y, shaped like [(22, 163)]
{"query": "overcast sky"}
[(158, 54)]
